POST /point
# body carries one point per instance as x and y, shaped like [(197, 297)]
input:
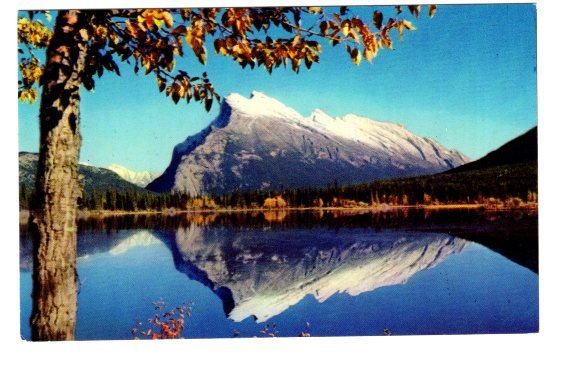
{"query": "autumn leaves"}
[(271, 37)]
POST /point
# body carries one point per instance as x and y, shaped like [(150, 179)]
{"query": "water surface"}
[(343, 276)]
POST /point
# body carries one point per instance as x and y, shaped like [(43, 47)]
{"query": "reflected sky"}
[(343, 281)]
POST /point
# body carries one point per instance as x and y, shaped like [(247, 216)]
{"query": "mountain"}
[(522, 149), (140, 179), (93, 178), (259, 143)]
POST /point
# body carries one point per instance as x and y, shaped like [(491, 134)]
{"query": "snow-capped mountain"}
[(141, 179), (260, 143)]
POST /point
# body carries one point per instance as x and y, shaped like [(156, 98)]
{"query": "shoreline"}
[(84, 214)]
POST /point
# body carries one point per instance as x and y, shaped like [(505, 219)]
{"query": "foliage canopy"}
[(151, 39)]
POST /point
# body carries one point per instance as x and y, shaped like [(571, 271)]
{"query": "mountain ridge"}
[(93, 178), (260, 143), (521, 149), (141, 179)]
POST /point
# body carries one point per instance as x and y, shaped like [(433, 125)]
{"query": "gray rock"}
[(259, 143)]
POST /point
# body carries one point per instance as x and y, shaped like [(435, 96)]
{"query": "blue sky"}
[(466, 78)]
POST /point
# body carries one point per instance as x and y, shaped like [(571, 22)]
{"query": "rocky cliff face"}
[(259, 143), (263, 275)]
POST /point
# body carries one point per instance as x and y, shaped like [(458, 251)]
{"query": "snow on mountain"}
[(260, 143), (141, 179)]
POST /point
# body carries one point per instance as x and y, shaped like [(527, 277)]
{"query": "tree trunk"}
[(54, 291)]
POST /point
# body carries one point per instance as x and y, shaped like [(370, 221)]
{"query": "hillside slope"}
[(92, 178), (522, 149)]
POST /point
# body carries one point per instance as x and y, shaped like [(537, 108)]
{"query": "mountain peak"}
[(319, 116), (140, 179), (259, 143), (260, 104)]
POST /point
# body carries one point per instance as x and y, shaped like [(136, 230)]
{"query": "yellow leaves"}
[(432, 10), (400, 25), (30, 74), (195, 38), (220, 47), (83, 34), (239, 20), (315, 10), (369, 54), (408, 25), (354, 55), (345, 28), (153, 37), (387, 41), (28, 95), (295, 40), (154, 19), (33, 32), (167, 16)]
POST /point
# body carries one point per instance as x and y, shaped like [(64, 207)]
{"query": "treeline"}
[(114, 200), (132, 201), (513, 184), (517, 182)]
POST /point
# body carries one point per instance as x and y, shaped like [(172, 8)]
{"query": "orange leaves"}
[(195, 37), (168, 326), (184, 86), (354, 55), (268, 37), (153, 19), (239, 20), (306, 331), (167, 17)]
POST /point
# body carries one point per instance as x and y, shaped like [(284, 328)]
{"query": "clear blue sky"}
[(466, 78)]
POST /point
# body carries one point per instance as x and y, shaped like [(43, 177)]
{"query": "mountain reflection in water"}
[(261, 274), (290, 267)]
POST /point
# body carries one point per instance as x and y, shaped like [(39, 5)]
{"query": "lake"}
[(402, 272)]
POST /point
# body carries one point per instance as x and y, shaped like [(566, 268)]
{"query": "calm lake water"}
[(344, 275)]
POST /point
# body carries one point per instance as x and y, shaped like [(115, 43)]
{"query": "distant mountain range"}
[(93, 178), (260, 143), (141, 179), (272, 156)]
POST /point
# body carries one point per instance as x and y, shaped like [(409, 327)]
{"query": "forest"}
[(507, 185)]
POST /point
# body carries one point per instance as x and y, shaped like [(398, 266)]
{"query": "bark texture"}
[(57, 184)]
